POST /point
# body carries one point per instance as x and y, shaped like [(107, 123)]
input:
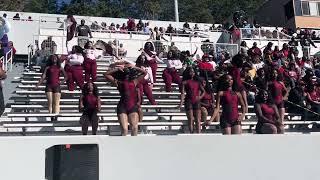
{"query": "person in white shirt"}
[(171, 73), (74, 68), (152, 58), (90, 63)]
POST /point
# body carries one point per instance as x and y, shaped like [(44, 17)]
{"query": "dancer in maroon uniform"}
[(278, 91), (152, 58), (126, 81), (230, 121), (194, 93), (268, 115), (51, 74), (170, 74), (234, 71), (207, 101), (74, 68), (146, 85), (90, 63), (90, 105)]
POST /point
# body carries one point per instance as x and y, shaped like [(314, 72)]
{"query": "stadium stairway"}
[(27, 112)]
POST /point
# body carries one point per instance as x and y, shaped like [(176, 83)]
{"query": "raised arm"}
[(109, 77)]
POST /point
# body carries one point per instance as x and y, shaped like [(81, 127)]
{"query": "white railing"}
[(134, 45), (2, 61), (263, 34), (9, 60)]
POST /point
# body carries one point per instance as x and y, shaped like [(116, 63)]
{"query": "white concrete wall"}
[(253, 157)]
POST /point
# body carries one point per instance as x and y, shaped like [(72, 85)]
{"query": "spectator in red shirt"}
[(131, 25)]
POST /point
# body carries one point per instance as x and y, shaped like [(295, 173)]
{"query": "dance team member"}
[(171, 73), (90, 63), (74, 68)]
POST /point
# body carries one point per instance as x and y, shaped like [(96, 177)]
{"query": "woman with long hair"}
[(191, 94), (127, 78), (235, 73), (89, 105), (268, 115), (152, 58), (51, 74), (207, 101), (90, 63), (278, 91), (230, 121), (146, 85), (170, 74), (74, 68)]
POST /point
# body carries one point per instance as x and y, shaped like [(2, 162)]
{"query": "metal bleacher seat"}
[(28, 113)]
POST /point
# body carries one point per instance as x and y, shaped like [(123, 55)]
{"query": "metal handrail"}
[(2, 60), (8, 60)]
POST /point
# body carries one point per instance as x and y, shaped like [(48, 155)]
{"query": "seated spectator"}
[(212, 27), (170, 29), (196, 28), (29, 18), (123, 28), (244, 48), (118, 27), (50, 45), (313, 99), (146, 28), (4, 15), (254, 51), (104, 26), (122, 52), (186, 26), (16, 17), (140, 25)]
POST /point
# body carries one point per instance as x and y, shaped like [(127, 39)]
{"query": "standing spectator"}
[(268, 115), (170, 29), (11, 47), (90, 63), (230, 121), (131, 24), (53, 91), (16, 17), (83, 31), (74, 68), (49, 45), (127, 109), (171, 73), (89, 105), (41, 56), (191, 94)]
